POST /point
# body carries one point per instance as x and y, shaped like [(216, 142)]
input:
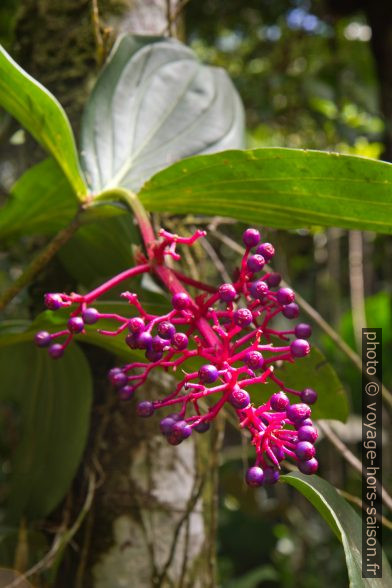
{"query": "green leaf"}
[(99, 250), (51, 403), (155, 103), (344, 522), (41, 201), (42, 115), (314, 371), (276, 187)]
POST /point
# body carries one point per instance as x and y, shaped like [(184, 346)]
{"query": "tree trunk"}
[(147, 526)]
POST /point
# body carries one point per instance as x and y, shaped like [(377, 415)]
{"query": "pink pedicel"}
[(232, 330)]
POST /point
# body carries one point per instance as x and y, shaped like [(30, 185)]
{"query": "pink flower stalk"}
[(231, 330)]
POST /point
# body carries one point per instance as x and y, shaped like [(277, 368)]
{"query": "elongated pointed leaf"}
[(41, 201), (276, 187), (42, 115), (49, 406), (155, 103), (344, 522)]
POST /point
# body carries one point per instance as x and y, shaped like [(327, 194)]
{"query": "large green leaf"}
[(100, 250), (314, 371), (50, 401), (344, 522), (42, 115), (41, 201), (278, 187), (155, 103)]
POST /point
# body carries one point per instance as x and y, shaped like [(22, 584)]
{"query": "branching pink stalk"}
[(228, 330)]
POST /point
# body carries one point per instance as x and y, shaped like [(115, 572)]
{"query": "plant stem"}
[(165, 274), (40, 261)]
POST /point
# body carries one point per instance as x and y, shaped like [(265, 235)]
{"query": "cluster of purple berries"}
[(229, 330)]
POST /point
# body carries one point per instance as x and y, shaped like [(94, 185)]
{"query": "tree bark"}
[(148, 524)]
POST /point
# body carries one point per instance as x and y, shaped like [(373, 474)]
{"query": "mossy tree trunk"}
[(152, 518)]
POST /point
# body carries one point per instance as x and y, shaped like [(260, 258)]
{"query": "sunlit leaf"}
[(42, 115), (155, 103)]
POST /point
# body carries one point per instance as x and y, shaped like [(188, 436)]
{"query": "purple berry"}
[(136, 325), (153, 355), (145, 409), (254, 360), (303, 331), (309, 396), (278, 452), (299, 348), (118, 378), (166, 425), (285, 296), (273, 280), (242, 317), (202, 427), (305, 450), (239, 398), (251, 237), (271, 476), (266, 250), (180, 341), (56, 351), (131, 341), (159, 344), (258, 289), (181, 301), (42, 339), (53, 301), (208, 374), (227, 292), (90, 316), (279, 401), (144, 340), (308, 467), (255, 263), (126, 392), (291, 310), (166, 330), (180, 431), (76, 324), (298, 412), (254, 476), (307, 423), (307, 433)]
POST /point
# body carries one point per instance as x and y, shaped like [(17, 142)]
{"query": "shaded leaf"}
[(344, 522), (51, 401), (279, 188), (100, 250), (42, 115), (41, 201), (155, 103)]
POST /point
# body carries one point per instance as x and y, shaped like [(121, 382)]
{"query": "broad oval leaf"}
[(155, 103), (344, 522), (41, 201), (314, 371), (42, 115), (276, 187), (50, 403)]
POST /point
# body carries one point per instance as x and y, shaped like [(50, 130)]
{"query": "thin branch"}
[(358, 502), (357, 287), (317, 318), (196, 493), (351, 459), (61, 540), (100, 48), (39, 262)]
